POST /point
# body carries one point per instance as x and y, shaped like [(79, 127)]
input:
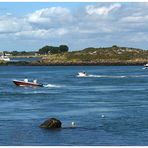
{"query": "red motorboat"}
[(25, 83)]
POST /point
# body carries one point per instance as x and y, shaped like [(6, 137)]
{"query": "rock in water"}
[(51, 123)]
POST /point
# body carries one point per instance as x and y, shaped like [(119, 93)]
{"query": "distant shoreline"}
[(109, 56), (39, 63), (103, 56)]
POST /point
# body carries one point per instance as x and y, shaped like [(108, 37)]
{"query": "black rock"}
[(51, 123)]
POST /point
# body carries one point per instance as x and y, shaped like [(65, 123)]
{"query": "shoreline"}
[(39, 63), (103, 56)]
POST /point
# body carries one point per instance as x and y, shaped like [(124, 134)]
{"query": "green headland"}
[(61, 55)]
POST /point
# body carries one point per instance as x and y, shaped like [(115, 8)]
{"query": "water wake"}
[(106, 76), (111, 76), (51, 86)]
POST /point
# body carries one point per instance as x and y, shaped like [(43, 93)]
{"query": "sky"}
[(31, 25)]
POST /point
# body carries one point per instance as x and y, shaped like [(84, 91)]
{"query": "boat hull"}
[(26, 84)]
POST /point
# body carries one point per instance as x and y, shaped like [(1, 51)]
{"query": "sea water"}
[(108, 107)]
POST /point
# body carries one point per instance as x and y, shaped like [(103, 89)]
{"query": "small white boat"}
[(4, 58), (146, 65), (82, 74)]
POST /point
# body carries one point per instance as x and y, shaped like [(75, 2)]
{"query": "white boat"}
[(4, 58), (146, 65), (82, 74)]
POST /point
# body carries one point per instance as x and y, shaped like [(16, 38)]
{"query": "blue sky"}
[(30, 26), (21, 8)]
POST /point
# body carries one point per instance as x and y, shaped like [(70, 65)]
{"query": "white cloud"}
[(139, 37), (91, 9), (41, 33), (9, 25), (135, 19), (8, 14), (50, 16), (103, 23)]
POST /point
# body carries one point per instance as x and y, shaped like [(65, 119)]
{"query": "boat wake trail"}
[(51, 86), (139, 76), (102, 76), (106, 76), (111, 76)]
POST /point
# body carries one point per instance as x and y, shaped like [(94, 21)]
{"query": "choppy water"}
[(109, 107)]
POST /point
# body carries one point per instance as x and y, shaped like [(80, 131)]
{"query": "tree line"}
[(44, 50), (53, 49)]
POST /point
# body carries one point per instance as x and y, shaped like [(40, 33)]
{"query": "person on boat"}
[(84, 73), (73, 124), (25, 80), (35, 81)]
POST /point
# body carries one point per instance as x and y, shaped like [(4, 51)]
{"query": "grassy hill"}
[(92, 56), (100, 56)]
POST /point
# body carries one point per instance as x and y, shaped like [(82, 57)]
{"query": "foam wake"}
[(106, 76), (111, 76), (102, 76), (51, 85)]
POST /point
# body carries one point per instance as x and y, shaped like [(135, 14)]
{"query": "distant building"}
[(7, 54)]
